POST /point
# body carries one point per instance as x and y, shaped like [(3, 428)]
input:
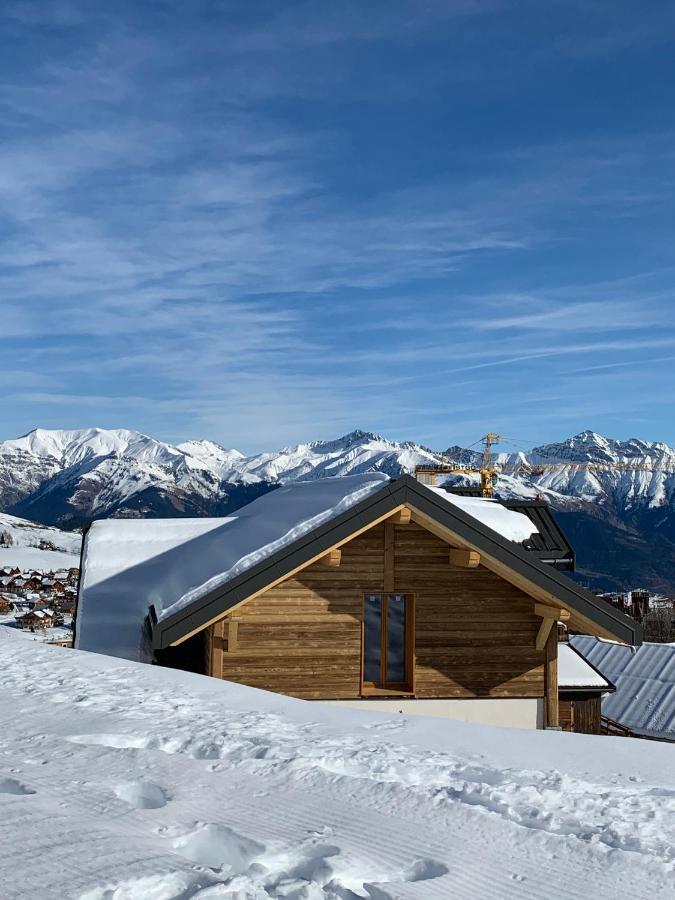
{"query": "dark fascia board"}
[(405, 489)]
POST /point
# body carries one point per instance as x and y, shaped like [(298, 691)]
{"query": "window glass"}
[(372, 638), (396, 673)]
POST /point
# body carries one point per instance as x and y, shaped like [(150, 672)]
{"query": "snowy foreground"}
[(120, 781)]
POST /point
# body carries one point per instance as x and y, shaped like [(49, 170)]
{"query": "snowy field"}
[(120, 781), (25, 552)]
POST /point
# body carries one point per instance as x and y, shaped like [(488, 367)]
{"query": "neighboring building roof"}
[(645, 683), (575, 673), (192, 571), (549, 543)]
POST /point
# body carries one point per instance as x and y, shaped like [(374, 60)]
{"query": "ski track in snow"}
[(124, 782)]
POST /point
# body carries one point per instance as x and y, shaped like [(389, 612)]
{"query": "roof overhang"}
[(507, 559)]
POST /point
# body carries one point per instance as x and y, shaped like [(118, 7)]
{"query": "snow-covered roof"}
[(132, 564), (39, 614), (644, 678), (575, 672), (512, 525)]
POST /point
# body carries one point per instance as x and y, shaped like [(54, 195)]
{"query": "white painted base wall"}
[(489, 711)]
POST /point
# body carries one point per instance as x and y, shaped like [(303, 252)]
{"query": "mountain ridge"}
[(623, 517)]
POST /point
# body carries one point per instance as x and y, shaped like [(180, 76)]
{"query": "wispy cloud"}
[(270, 222)]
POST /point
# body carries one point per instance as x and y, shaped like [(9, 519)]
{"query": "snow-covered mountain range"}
[(621, 519)]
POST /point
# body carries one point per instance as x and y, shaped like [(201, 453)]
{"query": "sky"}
[(267, 222)]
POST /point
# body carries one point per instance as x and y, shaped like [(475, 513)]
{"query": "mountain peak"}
[(359, 436)]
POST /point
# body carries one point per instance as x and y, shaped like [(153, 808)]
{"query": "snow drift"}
[(120, 781)]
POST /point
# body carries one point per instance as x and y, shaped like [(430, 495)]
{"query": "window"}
[(388, 623)]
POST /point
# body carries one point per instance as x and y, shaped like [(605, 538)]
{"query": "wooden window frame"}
[(407, 689)]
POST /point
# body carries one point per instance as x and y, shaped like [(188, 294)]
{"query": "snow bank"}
[(575, 672), (644, 679), (127, 782)]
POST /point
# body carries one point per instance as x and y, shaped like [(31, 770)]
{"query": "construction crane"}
[(489, 470)]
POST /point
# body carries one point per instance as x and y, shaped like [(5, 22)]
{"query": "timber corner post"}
[(551, 713)]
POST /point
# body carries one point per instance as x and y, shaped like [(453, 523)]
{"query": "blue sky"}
[(268, 222)]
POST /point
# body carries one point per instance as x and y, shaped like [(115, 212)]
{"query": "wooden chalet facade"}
[(404, 601), (36, 619)]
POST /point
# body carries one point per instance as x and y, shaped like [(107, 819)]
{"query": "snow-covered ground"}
[(121, 781), (25, 552), (42, 635)]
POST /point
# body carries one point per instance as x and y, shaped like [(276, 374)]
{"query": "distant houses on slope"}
[(37, 601)]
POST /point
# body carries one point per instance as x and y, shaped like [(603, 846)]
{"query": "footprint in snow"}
[(218, 846), (141, 794), (13, 786)]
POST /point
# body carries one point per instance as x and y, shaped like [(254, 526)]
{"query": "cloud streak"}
[(263, 226)]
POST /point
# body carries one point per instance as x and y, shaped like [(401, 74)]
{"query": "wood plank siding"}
[(474, 632), (581, 715)]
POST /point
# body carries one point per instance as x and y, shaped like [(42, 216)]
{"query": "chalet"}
[(66, 605), (35, 619), (359, 590), (24, 585), (19, 608), (52, 586)]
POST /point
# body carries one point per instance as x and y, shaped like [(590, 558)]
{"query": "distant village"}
[(42, 603), (654, 611)]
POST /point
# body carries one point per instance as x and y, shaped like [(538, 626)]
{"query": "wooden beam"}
[(389, 574), (551, 679), (545, 629), (216, 634), (551, 612), (402, 517), (232, 634), (466, 559), (332, 559)]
